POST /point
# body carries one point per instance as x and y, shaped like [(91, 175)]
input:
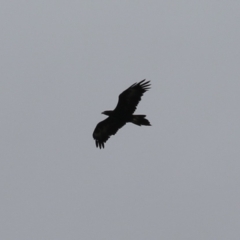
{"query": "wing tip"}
[(99, 144), (146, 85)]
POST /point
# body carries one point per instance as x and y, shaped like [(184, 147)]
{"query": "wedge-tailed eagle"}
[(122, 114)]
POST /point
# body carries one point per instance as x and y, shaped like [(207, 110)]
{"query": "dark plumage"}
[(123, 113)]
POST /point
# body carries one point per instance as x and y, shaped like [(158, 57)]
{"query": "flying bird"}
[(122, 114)]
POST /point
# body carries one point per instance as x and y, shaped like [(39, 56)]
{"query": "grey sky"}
[(63, 63)]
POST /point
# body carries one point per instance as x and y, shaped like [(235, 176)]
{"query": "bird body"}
[(122, 114)]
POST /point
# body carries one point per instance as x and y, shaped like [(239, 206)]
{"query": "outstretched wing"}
[(129, 99), (105, 129)]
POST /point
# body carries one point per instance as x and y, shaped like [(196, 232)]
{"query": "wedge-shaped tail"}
[(140, 120)]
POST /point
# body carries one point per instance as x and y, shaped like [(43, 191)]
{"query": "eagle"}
[(122, 114)]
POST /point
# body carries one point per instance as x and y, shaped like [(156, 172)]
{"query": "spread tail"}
[(140, 120)]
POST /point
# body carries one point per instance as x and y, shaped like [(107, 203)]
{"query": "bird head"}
[(108, 113)]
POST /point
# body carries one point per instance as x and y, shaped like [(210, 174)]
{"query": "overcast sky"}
[(63, 63)]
